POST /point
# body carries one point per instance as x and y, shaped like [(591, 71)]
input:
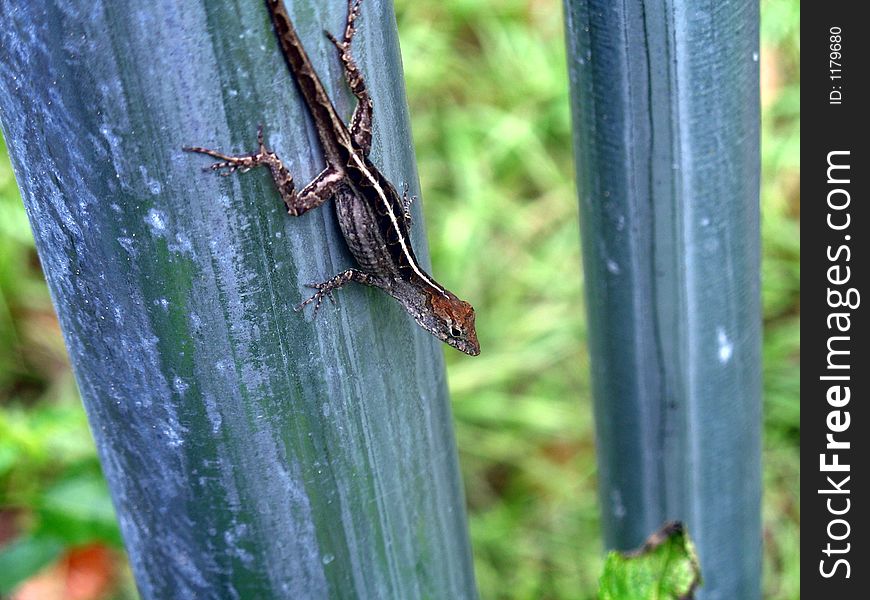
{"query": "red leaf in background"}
[(85, 573)]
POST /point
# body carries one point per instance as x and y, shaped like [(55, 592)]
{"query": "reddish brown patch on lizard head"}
[(454, 323)]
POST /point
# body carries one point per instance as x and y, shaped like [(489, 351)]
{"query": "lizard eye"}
[(455, 331)]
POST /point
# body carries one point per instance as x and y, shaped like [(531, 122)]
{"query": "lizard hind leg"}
[(361, 121)]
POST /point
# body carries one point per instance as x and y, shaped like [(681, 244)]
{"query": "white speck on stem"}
[(618, 506), (128, 244), (179, 385), (726, 348), (157, 220), (153, 185)]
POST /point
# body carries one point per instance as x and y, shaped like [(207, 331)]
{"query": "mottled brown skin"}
[(375, 221)]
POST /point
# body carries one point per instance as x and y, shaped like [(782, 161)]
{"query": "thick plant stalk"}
[(251, 451), (666, 117)]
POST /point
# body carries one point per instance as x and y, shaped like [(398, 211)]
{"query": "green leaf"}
[(79, 510), (25, 557), (665, 568)]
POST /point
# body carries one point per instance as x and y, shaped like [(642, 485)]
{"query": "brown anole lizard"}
[(373, 218)]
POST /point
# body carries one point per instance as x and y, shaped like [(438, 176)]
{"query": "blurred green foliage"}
[(487, 84)]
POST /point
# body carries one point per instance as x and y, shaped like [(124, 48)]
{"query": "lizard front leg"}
[(326, 288), (361, 121), (321, 188)]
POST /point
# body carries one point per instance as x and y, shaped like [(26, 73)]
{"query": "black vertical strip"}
[(834, 455)]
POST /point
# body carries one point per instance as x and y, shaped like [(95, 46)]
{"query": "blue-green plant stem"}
[(666, 117), (251, 451)]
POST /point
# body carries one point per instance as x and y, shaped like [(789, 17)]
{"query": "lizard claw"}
[(230, 168), (334, 40), (232, 163), (407, 201), (323, 290), (261, 140), (326, 288)]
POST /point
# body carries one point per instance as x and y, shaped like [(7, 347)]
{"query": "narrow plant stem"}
[(666, 117)]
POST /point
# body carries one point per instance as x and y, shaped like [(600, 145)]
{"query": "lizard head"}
[(452, 321)]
